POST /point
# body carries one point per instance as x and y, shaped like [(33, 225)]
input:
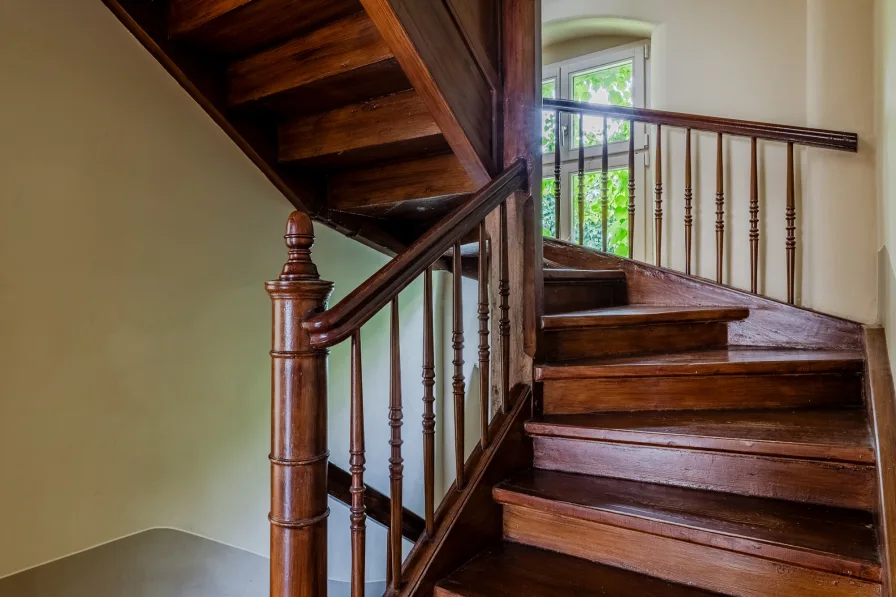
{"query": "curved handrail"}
[(338, 323), (729, 126)]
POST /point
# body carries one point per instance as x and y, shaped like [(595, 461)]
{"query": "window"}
[(613, 77)]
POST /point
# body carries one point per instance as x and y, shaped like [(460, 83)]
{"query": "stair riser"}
[(700, 392), (730, 573), (625, 340), (580, 295), (813, 481)]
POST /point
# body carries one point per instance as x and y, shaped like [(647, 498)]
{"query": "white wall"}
[(798, 62), (135, 239)]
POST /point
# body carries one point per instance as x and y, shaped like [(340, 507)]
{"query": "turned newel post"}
[(298, 424)]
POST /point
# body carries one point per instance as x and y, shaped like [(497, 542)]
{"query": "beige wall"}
[(580, 46), (885, 17), (134, 242), (799, 62)]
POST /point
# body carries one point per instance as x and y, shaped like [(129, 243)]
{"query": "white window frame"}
[(564, 72)]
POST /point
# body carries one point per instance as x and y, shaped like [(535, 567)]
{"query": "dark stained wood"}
[(298, 457), (688, 205), (433, 54), (821, 434), (396, 462), (333, 326), (881, 403), (429, 417), (742, 128), (790, 215), (512, 570), (720, 209), (350, 44), (631, 190), (580, 180), (357, 460), (771, 323), (397, 120), (470, 520), (578, 290), (558, 177), (238, 27), (581, 342), (458, 383), (754, 217), (479, 21), (632, 315), (561, 275), (438, 176), (658, 209), (378, 505), (484, 350), (818, 537), (504, 325), (604, 188)]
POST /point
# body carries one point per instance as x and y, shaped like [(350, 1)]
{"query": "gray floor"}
[(157, 563)]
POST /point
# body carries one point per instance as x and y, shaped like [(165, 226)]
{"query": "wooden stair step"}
[(345, 62), (378, 130), (513, 570), (582, 275), (825, 434), (238, 27), (633, 315), (738, 545), (568, 290)]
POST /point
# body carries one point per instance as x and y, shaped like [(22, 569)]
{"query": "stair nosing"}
[(606, 317)]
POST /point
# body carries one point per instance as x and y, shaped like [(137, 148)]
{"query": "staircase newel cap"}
[(299, 239)]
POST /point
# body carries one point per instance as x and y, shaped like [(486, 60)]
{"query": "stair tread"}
[(816, 536), (512, 570), (733, 360), (826, 433), (582, 274), (642, 315)]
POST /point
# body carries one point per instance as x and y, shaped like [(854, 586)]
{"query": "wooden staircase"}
[(668, 462)]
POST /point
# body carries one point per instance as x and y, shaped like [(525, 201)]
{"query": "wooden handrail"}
[(338, 323), (744, 128)]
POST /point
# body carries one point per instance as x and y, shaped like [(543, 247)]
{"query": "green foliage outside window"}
[(609, 85), (548, 215), (617, 224), (548, 117)]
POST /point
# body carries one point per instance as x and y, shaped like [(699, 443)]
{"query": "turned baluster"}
[(484, 356), (557, 170), (720, 210), (299, 424), (754, 217), (396, 462), (429, 417), (504, 325), (631, 190), (604, 190), (688, 204), (790, 216), (658, 211), (581, 185), (457, 341), (358, 511)]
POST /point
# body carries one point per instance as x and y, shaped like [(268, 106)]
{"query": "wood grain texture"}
[(771, 323), (881, 402), (394, 119), (559, 344), (732, 573), (438, 176), (830, 539), (512, 570), (565, 294), (636, 315), (239, 27), (817, 482), (822, 434)]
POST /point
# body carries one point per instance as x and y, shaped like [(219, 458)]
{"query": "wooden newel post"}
[(299, 424)]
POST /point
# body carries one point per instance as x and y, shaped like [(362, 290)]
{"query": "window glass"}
[(548, 213), (548, 117), (606, 85), (617, 222)]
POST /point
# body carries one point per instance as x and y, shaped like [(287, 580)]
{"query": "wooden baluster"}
[(581, 185), (457, 341), (557, 170), (429, 417), (658, 211), (631, 190), (754, 217), (396, 462), (504, 325), (790, 216), (720, 210), (604, 191), (356, 461), (299, 424), (688, 204), (484, 356)]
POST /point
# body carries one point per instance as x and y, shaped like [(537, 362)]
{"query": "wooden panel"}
[(513, 570), (817, 482), (479, 21), (238, 27), (400, 181), (771, 323), (831, 539), (563, 296), (881, 402), (731, 573), (347, 45), (635, 315), (434, 55), (563, 344), (383, 121)]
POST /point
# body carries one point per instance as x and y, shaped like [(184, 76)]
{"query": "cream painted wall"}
[(573, 48), (799, 62), (885, 18), (134, 241)]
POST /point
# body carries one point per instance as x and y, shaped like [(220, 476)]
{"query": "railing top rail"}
[(336, 324), (742, 128)]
